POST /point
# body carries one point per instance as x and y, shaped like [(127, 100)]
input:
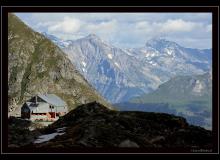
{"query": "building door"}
[(53, 114)]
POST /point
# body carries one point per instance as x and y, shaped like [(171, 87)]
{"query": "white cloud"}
[(68, 25), (143, 26), (126, 29), (170, 25), (108, 26), (178, 25)]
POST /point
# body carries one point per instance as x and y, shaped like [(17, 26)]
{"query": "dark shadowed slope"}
[(93, 125)]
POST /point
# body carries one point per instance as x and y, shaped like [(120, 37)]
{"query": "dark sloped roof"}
[(52, 99)]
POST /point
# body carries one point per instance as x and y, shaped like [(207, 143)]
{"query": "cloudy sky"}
[(127, 30)]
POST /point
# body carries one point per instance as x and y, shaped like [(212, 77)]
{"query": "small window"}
[(52, 107)]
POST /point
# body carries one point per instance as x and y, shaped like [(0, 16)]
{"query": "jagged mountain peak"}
[(160, 42), (93, 36), (92, 39), (97, 40), (109, 68)]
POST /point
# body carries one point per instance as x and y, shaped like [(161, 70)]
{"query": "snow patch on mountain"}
[(110, 56), (127, 51), (84, 63), (119, 74), (169, 51), (117, 64), (198, 87), (84, 70)]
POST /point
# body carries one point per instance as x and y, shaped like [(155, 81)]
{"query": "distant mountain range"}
[(187, 96), (121, 74)]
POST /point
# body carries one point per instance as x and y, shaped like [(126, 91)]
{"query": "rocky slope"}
[(106, 67), (181, 88), (120, 74), (36, 65), (93, 125)]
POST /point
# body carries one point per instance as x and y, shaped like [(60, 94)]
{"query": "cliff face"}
[(36, 65), (120, 74)]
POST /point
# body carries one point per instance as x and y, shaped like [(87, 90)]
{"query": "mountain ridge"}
[(186, 96), (132, 72), (36, 65)]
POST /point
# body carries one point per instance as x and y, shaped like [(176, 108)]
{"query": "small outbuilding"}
[(45, 107)]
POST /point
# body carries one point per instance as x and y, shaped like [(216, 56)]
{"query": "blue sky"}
[(126, 30)]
